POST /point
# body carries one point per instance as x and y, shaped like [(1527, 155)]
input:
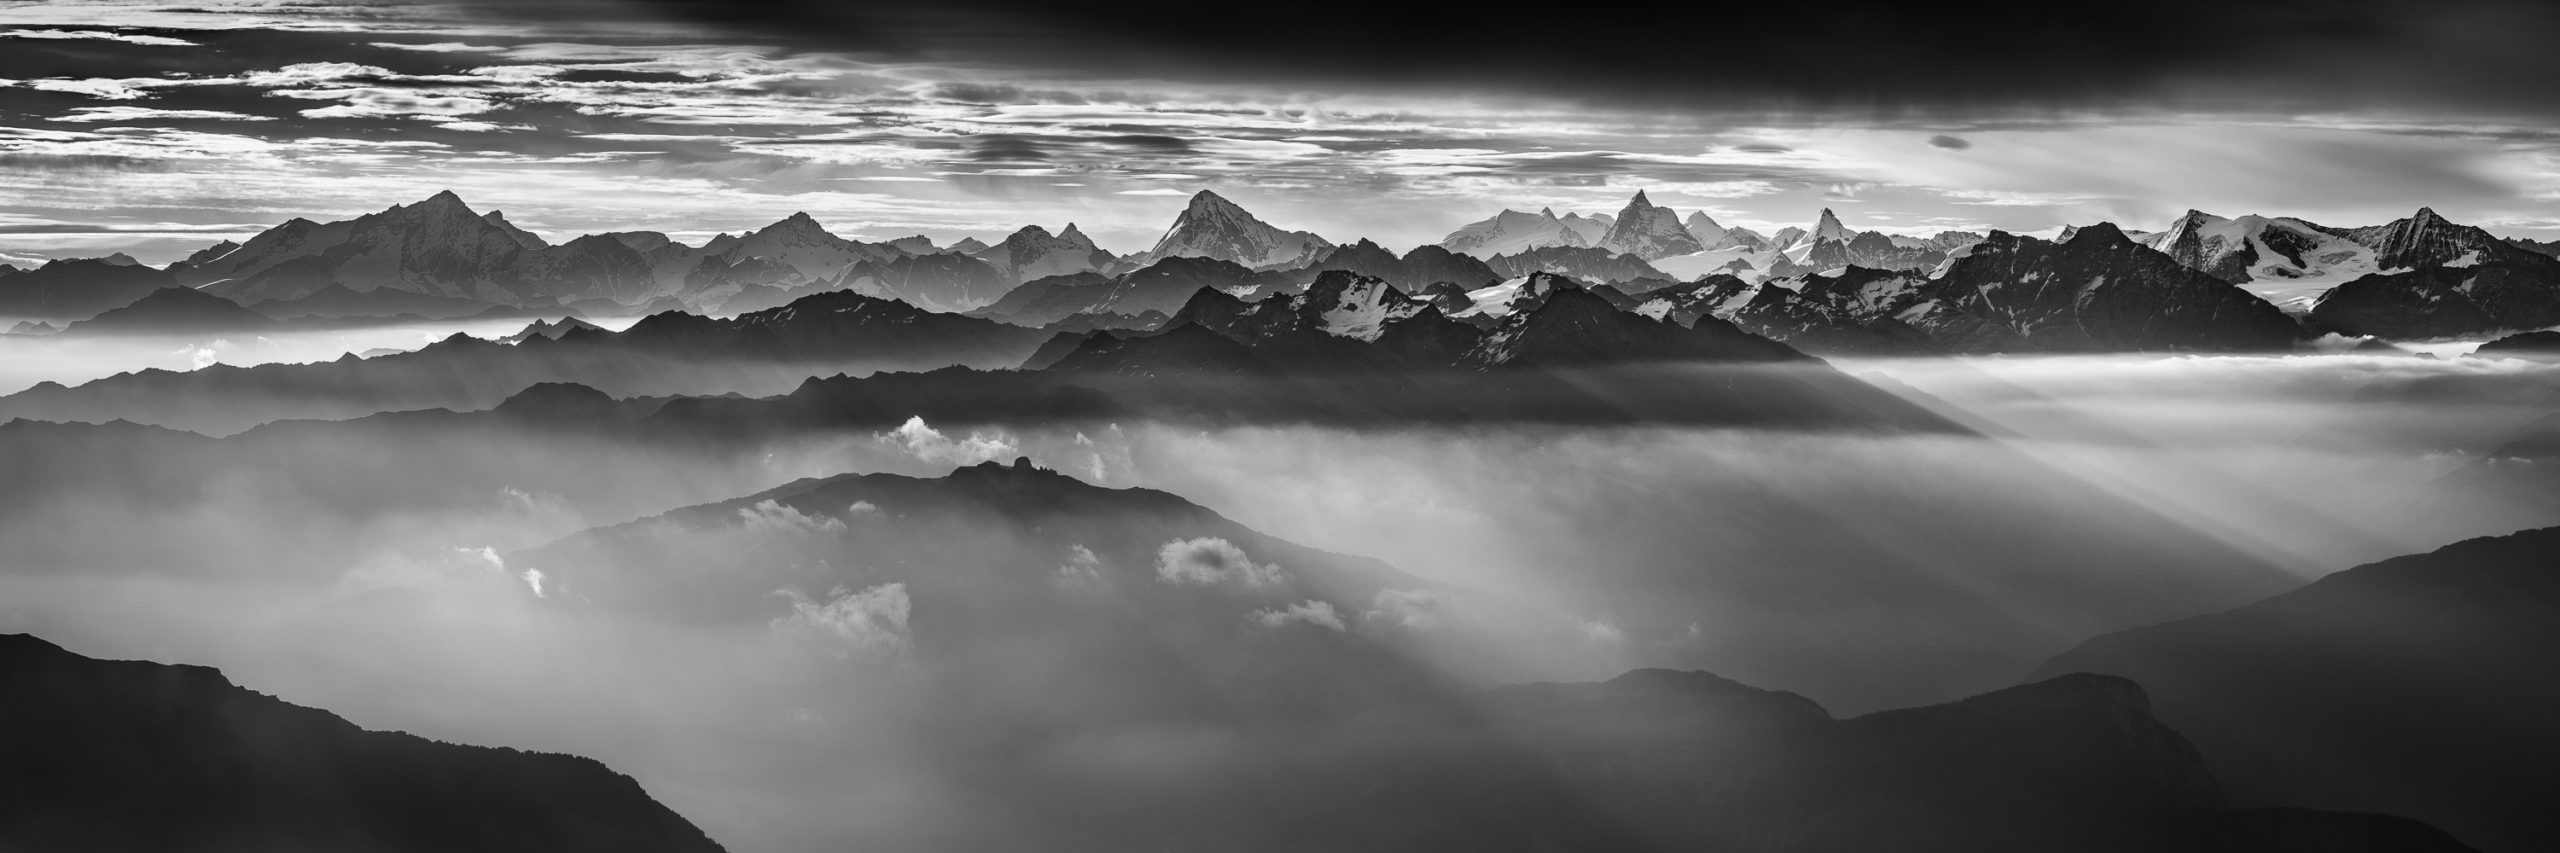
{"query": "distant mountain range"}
[(2416, 278), (132, 755), (2097, 292), (1698, 246)]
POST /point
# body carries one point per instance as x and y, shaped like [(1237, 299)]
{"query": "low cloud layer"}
[(1214, 562)]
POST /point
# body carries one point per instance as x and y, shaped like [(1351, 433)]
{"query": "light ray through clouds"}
[(267, 111)]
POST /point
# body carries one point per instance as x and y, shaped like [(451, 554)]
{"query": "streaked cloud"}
[(647, 120)]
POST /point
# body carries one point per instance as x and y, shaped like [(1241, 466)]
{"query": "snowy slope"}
[(2287, 261), (1511, 232)]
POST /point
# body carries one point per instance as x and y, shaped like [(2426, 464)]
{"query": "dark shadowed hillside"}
[(2420, 686), (132, 755)]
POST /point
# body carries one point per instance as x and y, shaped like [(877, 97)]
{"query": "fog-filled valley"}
[(1297, 630)]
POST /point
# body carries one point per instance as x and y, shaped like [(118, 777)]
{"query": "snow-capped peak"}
[(1649, 232), (1828, 227), (1704, 228), (1359, 306), (1512, 232)]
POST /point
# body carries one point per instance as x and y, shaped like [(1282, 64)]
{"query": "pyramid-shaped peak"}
[(1639, 200), (799, 222), (2100, 234), (1070, 234), (444, 202), (1547, 212), (2426, 215), (1828, 227), (1205, 201)]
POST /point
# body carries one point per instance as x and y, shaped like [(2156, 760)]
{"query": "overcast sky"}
[(158, 128)]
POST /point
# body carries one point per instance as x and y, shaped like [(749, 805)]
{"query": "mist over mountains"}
[(1615, 532)]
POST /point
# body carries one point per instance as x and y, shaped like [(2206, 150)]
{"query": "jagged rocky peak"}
[(914, 244), (1034, 235), (799, 222), (2426, 239), (444, 200), (2095, 236), (1213, 227), (1828, 227), (1033, 253), (1649, 232)]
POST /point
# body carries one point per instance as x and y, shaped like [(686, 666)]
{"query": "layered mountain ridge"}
[(2415, 278)]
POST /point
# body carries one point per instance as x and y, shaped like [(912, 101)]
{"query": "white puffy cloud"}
[(850, 622), (1417, 609), (924, 442), (771, 515), (1312, 612), (1211, 561), (1081, 565)]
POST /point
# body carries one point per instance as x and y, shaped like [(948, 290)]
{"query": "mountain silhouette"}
[(132, 755)]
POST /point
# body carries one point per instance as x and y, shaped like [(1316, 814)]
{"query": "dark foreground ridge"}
[(133, 755), (2420, 686)]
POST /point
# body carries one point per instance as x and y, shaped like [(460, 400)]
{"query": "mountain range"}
[(2097, 292), (2416, 278), (1698, 246)]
